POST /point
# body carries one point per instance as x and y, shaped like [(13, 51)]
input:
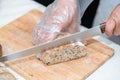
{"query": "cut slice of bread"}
[(6, 76), (63, 53)]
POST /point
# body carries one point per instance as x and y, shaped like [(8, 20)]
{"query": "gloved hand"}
[(60, 17), (113, 23)]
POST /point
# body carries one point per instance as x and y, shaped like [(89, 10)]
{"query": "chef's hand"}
[(60, 17), (113, 23)]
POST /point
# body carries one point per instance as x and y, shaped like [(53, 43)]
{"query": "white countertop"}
[(10, 11)]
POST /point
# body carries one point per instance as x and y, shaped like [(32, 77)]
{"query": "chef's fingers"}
[(116, 17), (110, 25), (113, 22)]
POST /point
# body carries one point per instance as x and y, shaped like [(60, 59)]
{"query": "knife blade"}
[(98, 30)]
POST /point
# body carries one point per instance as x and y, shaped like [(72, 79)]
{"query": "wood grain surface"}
[(17, 36)]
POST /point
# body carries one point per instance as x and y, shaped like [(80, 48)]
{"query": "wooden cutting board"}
[(17, 36)]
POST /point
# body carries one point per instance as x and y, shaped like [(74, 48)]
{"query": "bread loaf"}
[(0, 50), (63, 53)]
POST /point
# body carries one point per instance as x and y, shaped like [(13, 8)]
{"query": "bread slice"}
[(63, 53), (6, 76)]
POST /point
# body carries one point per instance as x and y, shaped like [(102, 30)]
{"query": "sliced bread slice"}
[(63, 53), (6, 76)]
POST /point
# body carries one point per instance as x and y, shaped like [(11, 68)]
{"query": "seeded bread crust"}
[(63, 53)]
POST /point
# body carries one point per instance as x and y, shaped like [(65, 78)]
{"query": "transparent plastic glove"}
[(60, 17)]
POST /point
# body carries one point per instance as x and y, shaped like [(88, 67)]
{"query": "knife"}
[(79, 36)]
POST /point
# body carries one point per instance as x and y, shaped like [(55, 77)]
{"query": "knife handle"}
[(102, 27)]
